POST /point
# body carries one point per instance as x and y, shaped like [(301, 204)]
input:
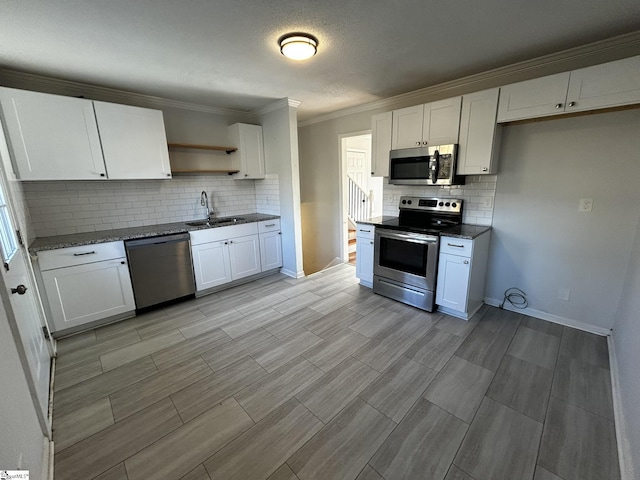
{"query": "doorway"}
[(361, 193)]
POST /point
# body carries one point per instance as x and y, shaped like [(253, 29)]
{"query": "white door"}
[(25, 314), (406, 129), (211, 265), (244, 253), (453, 282), (270, 250), (133, 141), (441, 122), (52, 137), (358, 167)]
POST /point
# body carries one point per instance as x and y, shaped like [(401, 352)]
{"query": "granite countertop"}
[(465, 231), (102, 236), (460, 231)]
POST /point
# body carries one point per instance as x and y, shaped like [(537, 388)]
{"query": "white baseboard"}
[(586, 327), (291, 273), (624, 449)]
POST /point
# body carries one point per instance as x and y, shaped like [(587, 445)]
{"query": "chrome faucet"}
[(204, 201)]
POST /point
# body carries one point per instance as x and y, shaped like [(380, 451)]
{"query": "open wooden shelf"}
[(203, 147)]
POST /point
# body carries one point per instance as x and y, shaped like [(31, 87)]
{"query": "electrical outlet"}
[(586, 205), (564, 294), (388, 197), (487, 202)]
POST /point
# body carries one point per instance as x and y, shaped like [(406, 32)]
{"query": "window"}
[(7, 232)]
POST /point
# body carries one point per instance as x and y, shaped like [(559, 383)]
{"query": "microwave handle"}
[(436, 167)]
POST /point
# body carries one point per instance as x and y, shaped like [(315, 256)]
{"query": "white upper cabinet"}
[(64, 138), (607, 85), (249, 159), (381, 126), (133, 140), (433, 123), (479, 134), (52, 137), (539, 97)]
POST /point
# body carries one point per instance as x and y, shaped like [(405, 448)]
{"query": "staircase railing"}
[(360, 204)]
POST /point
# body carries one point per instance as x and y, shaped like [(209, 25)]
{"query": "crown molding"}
[(30, 81), (277, 105), (498, 76)]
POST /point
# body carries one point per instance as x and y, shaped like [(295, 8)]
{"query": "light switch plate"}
[(586, 205), (564, 294)]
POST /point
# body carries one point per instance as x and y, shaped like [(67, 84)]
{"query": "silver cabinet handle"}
[(418, 143), (484, 169), (466, 262), (84, 253), (454, 245), (271, 225), (371, 243), (558, 105), (367, 231), (571, 104)]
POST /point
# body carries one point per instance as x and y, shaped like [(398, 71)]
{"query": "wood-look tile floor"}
[(319, 378)]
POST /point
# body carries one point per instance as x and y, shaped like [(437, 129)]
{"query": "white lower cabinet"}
[(462, 268), (244, 254), (82, 286), (224, 254), (211, 264), (270, 244), (365, 235)]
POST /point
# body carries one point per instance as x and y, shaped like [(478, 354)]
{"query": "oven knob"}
[(409, 202), (404, 202), (454, 205), (441, 204), (447, 204)]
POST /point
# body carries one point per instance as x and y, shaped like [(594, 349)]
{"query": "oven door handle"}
[(423, 239)]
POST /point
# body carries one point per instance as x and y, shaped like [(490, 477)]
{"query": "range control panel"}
[(432, 204)]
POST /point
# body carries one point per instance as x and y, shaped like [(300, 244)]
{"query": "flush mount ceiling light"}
[(298, 46)]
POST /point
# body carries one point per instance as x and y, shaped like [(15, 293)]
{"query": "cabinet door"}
[(453, 282), (270, 250), (133, 141), (479, 133), (364, 260), (381, 126), (406, 130), (244, 253), (607, 85), (441, 122), (250, 155), (534, 98), (89, 292), (52, 137), (211, 264)]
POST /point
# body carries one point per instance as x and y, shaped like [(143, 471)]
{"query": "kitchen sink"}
[(215, 221)]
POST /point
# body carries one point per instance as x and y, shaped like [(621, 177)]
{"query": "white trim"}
[(277, 105), (550, 317), (555, 63), (47, 460), (291, 273), (624, 448)]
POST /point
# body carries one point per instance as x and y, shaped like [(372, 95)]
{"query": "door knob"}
[(20, 290)]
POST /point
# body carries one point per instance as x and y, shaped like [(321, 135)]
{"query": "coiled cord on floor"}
[(515, 297)]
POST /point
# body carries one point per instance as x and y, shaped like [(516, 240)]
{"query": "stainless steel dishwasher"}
[(160, 268)]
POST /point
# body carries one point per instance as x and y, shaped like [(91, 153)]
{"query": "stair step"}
[(352, 241)]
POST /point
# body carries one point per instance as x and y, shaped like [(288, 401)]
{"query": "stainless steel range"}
[(406, 249)]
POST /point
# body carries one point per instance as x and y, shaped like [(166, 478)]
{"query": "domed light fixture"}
[(298, 46)]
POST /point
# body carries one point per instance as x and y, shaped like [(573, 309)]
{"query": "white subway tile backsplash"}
[(476, 189), (59, 208)]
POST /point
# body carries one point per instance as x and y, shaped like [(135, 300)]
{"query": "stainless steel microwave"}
[(434, 165)]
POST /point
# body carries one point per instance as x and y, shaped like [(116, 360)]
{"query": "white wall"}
[(21, 441), (626, 339), (280, 132), (540, 242)]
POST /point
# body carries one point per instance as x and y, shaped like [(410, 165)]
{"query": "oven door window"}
[(404, 256)]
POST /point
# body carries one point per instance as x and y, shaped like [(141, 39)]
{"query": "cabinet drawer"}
[(365, 231), (456, 246), (269, 226), (222, 233), (67, 257)]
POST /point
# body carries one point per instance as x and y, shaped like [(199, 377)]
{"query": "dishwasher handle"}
[(146, 242)]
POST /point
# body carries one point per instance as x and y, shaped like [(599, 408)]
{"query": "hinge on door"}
[(6, 266), (45, 330), (19, 235)]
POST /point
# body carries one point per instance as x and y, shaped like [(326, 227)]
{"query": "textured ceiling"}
[(224, 53)]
